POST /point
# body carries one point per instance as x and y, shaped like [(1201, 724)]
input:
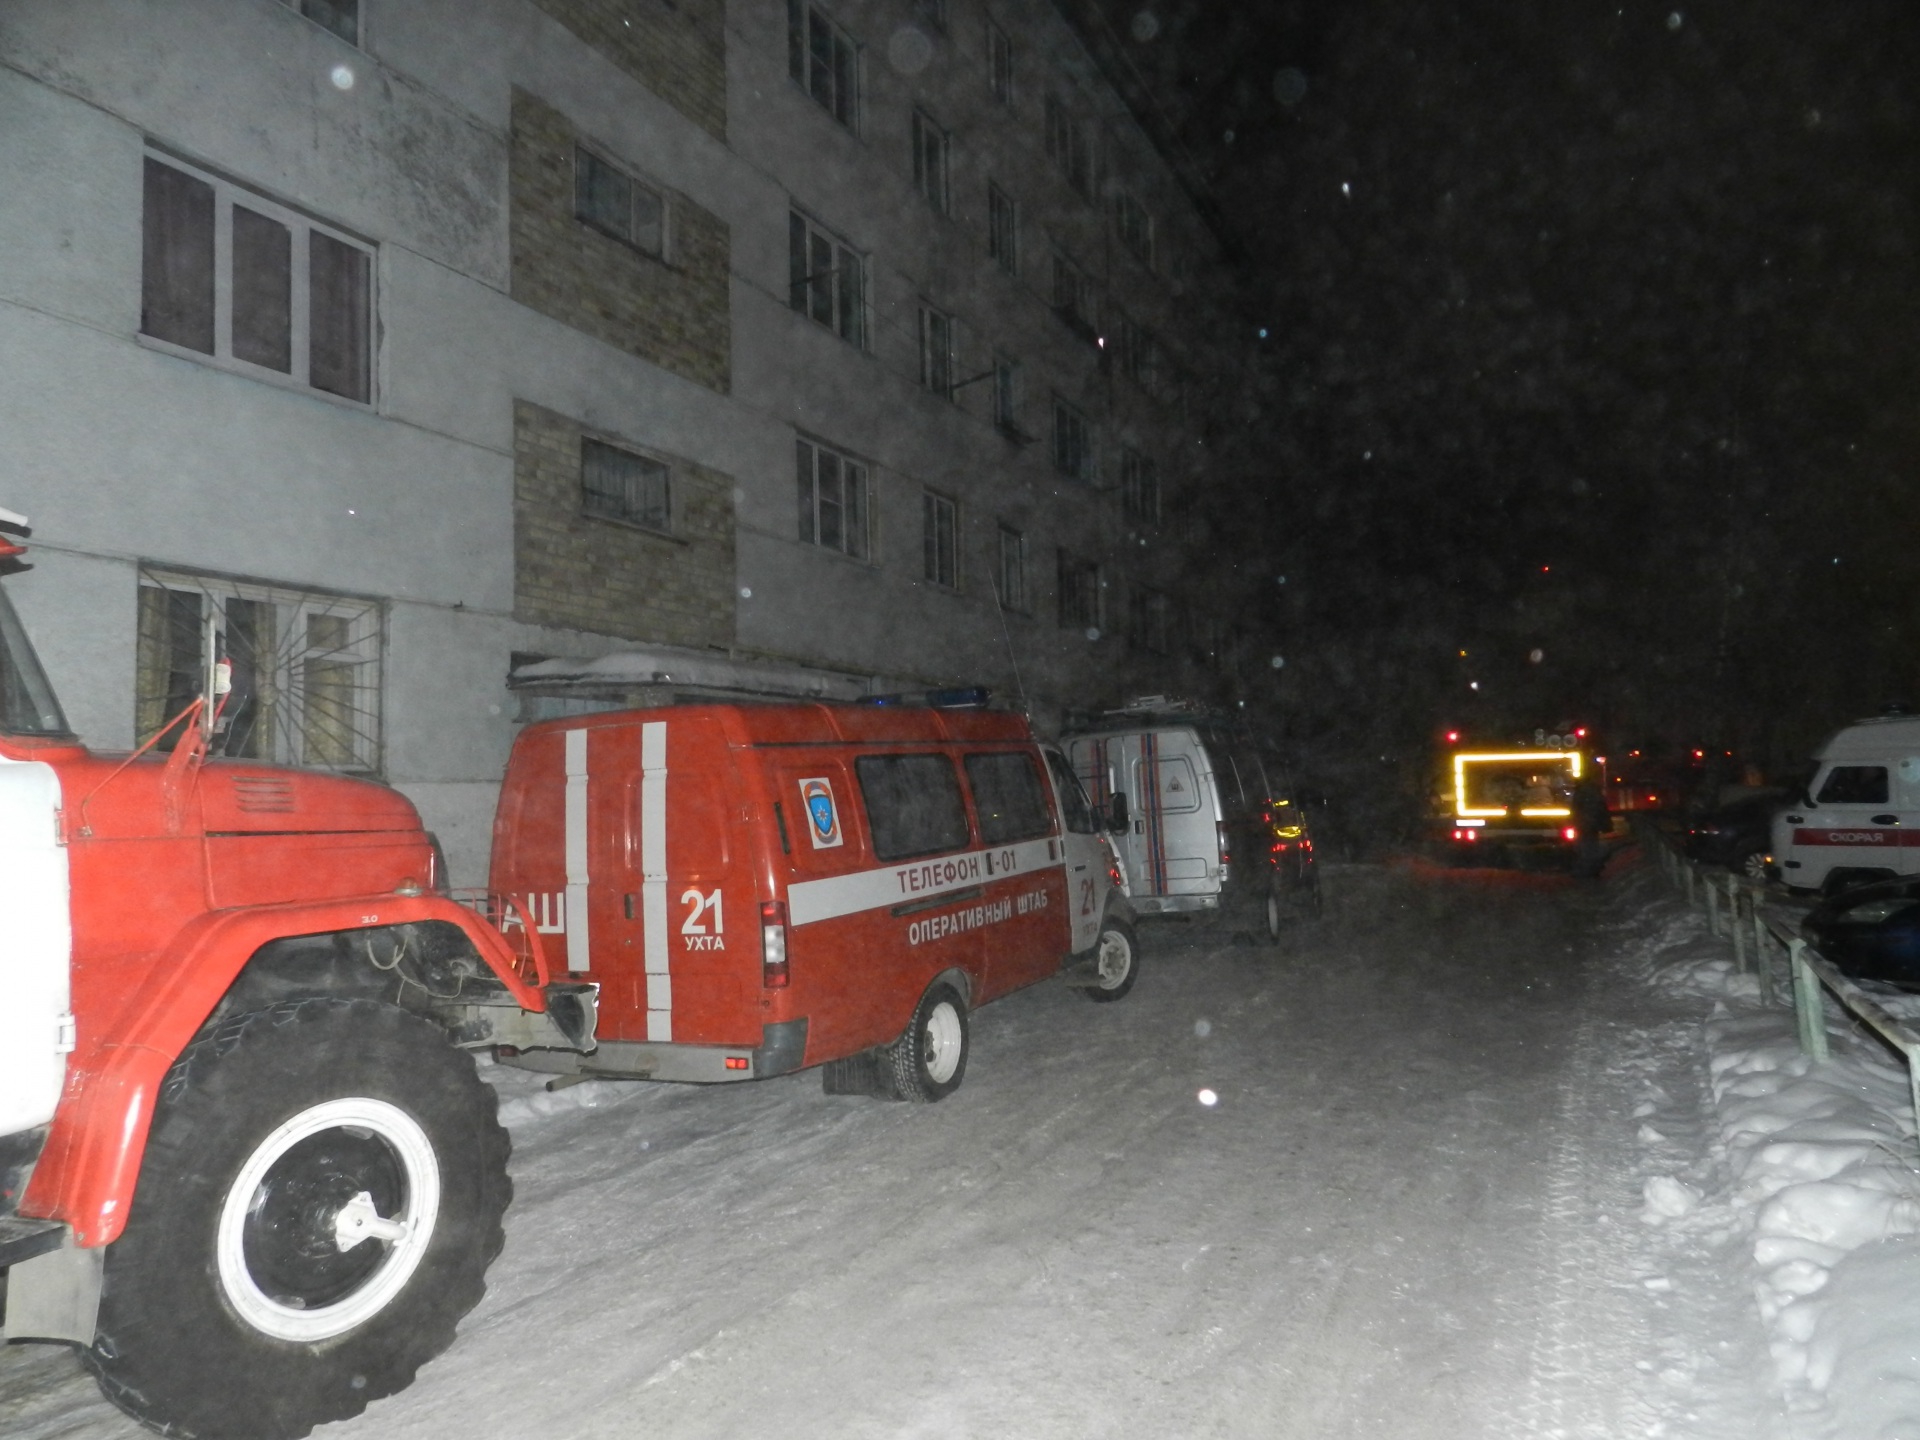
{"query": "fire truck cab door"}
[(36, 1023)]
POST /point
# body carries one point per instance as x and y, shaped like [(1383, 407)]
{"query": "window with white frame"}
[(228, 274), (833, 499), (1070, 147), (1149, 620), (1077, 590), (1135, 226), (1003, 229), (1072, 441), (999, 64), (1010, 574), (1006, 394), (618, 484), (1139, 487), (339, 17), (614, 203), (305, 667), (930, 161), (827, 279), (936, 351), (940, 539), (823, 60)]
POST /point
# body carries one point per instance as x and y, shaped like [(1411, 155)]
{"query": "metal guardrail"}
[(1735, 906)]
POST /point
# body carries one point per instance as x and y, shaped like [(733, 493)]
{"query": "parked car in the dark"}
[(1871, 932), (1737, 834)]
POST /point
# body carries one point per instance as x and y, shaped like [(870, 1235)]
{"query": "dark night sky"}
[(1626, 291)]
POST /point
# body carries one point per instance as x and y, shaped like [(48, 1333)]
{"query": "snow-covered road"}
[(1412, 1214)]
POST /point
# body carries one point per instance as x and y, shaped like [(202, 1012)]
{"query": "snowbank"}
[(1814, 1169)]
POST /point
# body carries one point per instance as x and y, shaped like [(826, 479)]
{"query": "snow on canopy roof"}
[(692, 669)]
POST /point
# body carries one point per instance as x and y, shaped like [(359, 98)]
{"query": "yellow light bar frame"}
[(1463, 759)]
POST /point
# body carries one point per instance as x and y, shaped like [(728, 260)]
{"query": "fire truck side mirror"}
[(1117, 817)]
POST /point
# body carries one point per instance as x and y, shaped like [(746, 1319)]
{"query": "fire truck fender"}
[(91, 1162)]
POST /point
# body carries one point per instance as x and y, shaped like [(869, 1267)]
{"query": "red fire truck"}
[(244, 1163)]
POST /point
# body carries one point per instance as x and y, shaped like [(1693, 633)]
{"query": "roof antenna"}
[(1000, 609)]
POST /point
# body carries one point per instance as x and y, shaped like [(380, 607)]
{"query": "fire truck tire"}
[(930, 1060), (319, 1201), (1117, 958)]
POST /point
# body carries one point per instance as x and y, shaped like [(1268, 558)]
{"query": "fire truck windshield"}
[(27, 703)]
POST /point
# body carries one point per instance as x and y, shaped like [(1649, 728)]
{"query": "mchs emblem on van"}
[(823, 820)]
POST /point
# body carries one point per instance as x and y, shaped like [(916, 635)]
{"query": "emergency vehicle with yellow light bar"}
[(753, 889), (1524, 796)]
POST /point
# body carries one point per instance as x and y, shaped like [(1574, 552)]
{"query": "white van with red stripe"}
[(1859, 817), (758, 888), (1201, 814)]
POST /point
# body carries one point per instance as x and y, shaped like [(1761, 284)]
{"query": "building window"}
[(930, 161), (827, 279), (620, 485), (1073, 296), (1139, 355), (1078, 585), (305, 667), (1072, 441), (833, 499), (1010, 575), (936, 351), (616, 204), (339, 17), (230, 275), (1003, 229), (935, 12), (1136, 228), (940, 539), (824, 61), (1006, 395), (999, 63), (1148, 620), (1069, 147), (1139, 487)]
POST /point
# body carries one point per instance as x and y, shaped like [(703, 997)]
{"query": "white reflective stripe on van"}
[(653, 878), (812, 900), (579, 956)]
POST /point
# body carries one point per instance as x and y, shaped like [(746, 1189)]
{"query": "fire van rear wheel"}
[(319, 1201), (930, 1060)]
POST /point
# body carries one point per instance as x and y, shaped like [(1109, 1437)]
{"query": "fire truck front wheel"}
[(930, 1060), (1116, 958), (319, 1201)]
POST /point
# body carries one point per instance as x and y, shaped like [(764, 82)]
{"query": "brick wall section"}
[(676, 48), (672, 313), (613, 579)]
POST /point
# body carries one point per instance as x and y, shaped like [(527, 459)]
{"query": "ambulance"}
[(1858, 819), (756, 889)]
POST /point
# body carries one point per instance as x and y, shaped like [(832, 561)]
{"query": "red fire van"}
[(755, 889)]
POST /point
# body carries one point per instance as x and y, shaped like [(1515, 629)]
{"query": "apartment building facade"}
[(458, 362)]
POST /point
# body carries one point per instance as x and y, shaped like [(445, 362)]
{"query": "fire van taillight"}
[(1569, 833), (773, 945)]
